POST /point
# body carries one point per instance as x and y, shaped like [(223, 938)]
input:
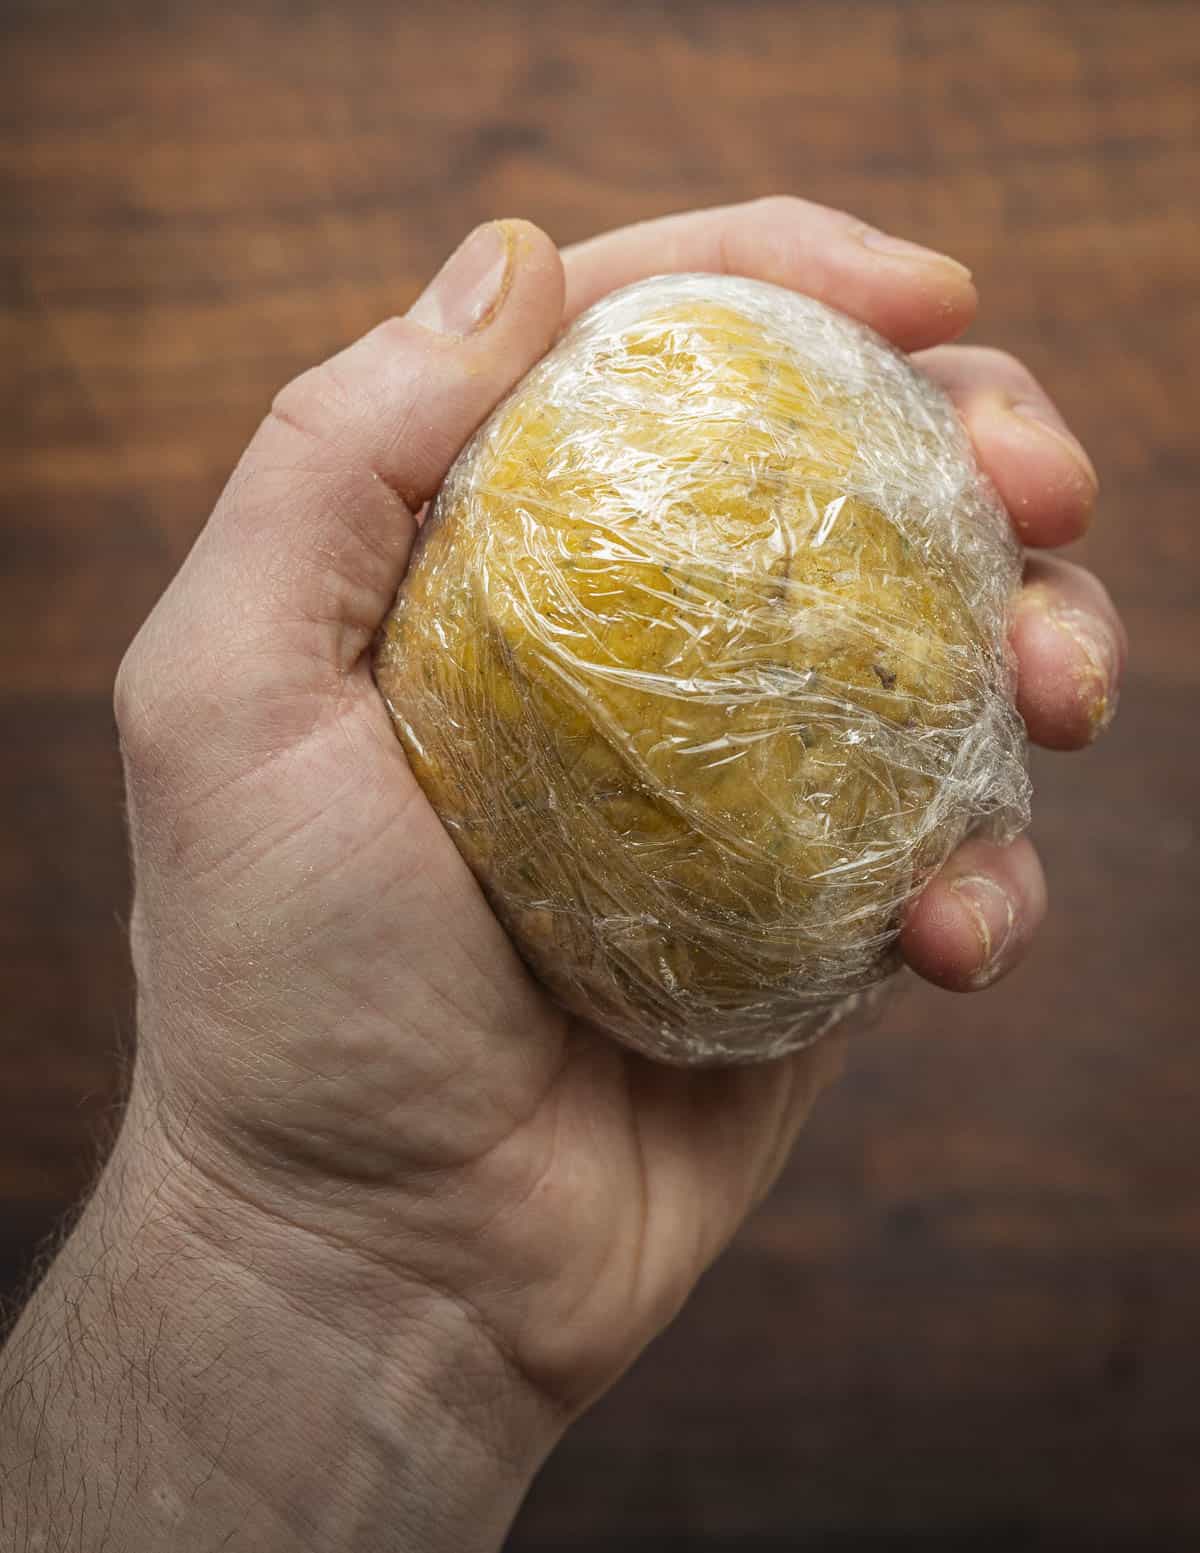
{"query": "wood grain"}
[(968, 1318)]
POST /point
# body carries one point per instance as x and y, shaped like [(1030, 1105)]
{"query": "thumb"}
[(282, 592)]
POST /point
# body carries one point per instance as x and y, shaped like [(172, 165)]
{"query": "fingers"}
[(1071, 648), (1069, 641), (302, 557), (914, 296), (1042, 473), (354, 447), (974, 919)]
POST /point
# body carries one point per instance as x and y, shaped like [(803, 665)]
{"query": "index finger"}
[(912, 295)]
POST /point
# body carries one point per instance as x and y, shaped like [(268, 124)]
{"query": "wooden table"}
[(970, 1316)]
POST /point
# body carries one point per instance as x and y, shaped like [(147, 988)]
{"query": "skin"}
[(380, 1221)]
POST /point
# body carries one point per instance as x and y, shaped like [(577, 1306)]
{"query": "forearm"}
[(167, 1387)]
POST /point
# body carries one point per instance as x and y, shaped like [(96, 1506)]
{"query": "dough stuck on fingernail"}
[(993, 918)]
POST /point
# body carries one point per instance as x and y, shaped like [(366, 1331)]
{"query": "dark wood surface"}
[(970, 1316)]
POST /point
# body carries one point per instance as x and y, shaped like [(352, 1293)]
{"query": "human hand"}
[(349, 1085)]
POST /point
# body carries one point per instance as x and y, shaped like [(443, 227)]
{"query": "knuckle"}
[(1004, 367), (393, 332), (303, 405), (783, 208), (329, 397), (130, 706), (316, 403), (775, 204), (143, 711)]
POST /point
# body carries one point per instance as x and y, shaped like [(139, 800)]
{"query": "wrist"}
[(265, 1381)]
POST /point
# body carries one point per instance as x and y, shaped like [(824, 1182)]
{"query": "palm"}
[(418, 1046)]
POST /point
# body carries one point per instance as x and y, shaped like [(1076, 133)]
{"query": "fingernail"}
[(993, 920), (1036, 414), (901, 248), (467, 292), (1096, 663)]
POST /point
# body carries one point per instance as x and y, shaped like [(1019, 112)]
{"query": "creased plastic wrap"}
[(702, 662)]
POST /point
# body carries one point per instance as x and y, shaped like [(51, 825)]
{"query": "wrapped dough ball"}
[(701, 660)]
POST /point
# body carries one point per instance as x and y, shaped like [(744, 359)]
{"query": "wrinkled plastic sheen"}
[(702, 662)]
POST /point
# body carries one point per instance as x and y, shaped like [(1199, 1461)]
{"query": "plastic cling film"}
[(702, 662)]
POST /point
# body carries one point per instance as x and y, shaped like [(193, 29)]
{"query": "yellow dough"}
[(701, 661)]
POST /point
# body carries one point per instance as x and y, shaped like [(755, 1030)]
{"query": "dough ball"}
[(702, 662)]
